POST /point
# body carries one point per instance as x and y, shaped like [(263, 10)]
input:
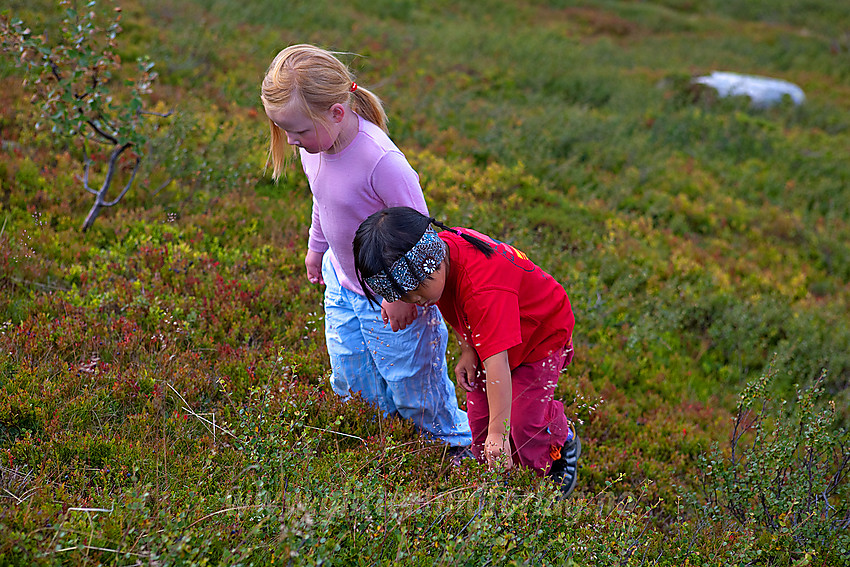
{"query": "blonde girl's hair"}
[(314, 79)]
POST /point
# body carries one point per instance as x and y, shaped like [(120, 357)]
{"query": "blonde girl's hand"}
[(466, 368), (313, 261), (497, 450), (398, 314)]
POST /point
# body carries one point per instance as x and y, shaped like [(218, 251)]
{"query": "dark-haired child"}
[(514, 322)]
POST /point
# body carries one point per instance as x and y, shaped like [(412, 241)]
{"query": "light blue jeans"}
[(401, 372)]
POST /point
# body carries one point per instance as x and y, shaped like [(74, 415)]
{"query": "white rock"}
[(763, 91)]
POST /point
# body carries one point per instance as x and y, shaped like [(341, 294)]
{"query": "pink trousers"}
[(537, 420)]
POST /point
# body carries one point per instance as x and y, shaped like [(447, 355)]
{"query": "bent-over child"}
[(514, 323), (338, 128)]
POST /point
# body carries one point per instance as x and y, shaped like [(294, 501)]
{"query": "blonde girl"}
[(392, 354)]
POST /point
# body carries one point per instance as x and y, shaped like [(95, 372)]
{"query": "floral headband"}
[(411, 269)]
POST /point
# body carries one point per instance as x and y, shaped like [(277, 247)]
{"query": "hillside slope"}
[(164, 374)]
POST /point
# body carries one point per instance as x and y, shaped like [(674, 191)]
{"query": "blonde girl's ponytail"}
[(369, 106), (314, 79)]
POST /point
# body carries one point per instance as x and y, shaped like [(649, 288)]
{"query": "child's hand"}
[(313, 261), (398, 314), (497, 449), (466, 368)]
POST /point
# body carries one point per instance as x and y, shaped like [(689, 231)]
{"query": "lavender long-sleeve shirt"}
[(370, 174)]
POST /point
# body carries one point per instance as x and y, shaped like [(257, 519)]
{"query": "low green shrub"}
[(783, 477)]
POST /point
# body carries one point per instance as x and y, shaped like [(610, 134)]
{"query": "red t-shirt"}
[(504, 302)]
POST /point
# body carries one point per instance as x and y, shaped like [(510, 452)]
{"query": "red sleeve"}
[(494, 321)]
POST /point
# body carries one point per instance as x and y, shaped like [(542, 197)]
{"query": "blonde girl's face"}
[(302, 131)]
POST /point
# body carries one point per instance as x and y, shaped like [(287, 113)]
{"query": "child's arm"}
[(467, 365), (398, 314), (313, 261), (317, 241), (497, 448)]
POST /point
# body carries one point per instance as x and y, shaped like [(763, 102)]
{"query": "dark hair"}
[(388, 235)]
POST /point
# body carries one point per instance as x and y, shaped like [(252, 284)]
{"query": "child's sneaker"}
[(564, 469)]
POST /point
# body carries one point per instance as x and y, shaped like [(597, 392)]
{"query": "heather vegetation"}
[(163, 378)]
